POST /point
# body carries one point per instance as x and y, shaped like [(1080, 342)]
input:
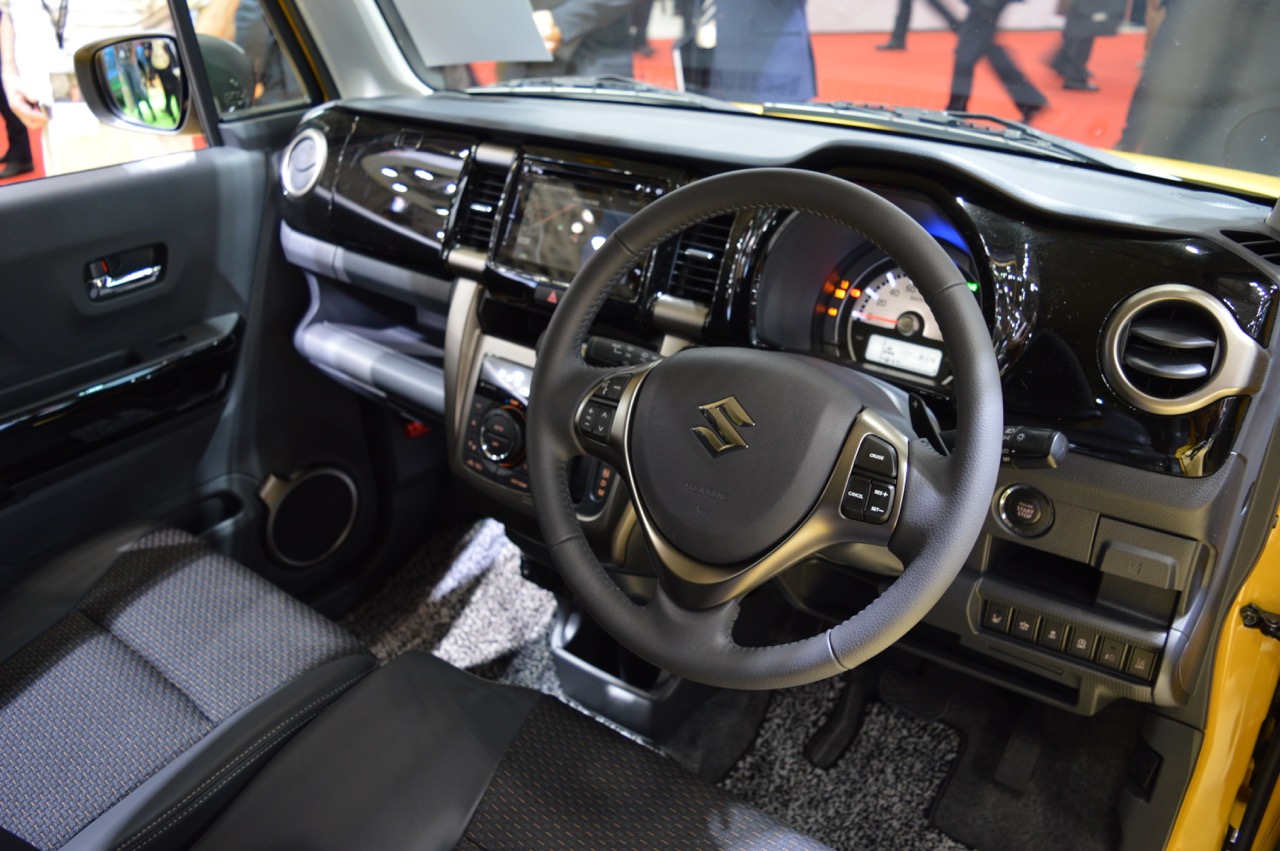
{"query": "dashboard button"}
[(1052, 634), (1142, 663), (854, 502), (879, 503), (996, 617), (877, 457), (1081, 644), (1111, 653), (1023, 625)]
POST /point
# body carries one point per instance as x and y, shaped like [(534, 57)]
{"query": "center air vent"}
[(479, 211), (1260, 244), (700, 253), (1173, 349)]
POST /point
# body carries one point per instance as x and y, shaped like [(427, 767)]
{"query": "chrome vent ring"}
[(303, 162), (1172, 349)]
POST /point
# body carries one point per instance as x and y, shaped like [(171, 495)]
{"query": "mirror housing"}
[(136, 83)]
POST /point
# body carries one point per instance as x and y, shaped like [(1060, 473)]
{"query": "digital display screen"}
[(559, 221), (899, 354)]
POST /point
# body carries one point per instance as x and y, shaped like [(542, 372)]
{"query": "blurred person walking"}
[(752, 50), (902, 23), (17, 157), (1086, 20), (977, 40)]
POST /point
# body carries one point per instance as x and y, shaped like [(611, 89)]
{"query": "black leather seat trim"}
[(401, 761), (176, 804)]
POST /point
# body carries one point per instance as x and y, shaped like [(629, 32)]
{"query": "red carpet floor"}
[(851, 69)]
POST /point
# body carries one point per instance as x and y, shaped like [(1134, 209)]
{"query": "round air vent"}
[(303, 162), (1173, 349)]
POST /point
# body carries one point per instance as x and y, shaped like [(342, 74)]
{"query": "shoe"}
[(1079, 85), (892, 44), (13, 169), (645, 49), (1030, 111)]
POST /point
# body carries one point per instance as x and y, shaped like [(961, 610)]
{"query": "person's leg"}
[(901, 23), (1077, 51), (947, 15), (974, 39), (1025, 95), (17, 158)]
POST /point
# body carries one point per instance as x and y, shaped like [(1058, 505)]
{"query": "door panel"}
[(108, 405)]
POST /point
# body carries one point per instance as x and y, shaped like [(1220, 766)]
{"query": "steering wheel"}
[(743, 462)]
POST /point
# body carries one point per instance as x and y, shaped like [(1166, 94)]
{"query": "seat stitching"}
[(243, 755)]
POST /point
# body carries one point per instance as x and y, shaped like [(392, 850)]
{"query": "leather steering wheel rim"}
[(943, 500)]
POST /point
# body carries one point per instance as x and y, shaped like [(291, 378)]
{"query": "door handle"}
[(125, 272)]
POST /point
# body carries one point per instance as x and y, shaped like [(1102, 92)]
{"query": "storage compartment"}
[(610, 680)]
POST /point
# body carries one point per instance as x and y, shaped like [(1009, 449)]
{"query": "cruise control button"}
[(604, 422), (877, 457), (854, 502), (587, 420), (879, 503)]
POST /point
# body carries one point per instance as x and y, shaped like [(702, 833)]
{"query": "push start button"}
[(1025, 511)]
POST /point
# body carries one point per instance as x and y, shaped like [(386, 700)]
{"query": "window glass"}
[(248, 52), (48, 128)]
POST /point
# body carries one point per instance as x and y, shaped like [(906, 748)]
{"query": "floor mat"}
[(1070, 792), (463, 598)]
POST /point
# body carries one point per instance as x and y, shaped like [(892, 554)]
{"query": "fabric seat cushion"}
[(165, 646)]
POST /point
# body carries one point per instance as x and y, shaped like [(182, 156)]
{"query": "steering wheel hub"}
[(731, 448)]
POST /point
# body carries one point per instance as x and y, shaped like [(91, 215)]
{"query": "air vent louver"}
[(479, 207), (700, 253), (1260, 244), (1172, 349)]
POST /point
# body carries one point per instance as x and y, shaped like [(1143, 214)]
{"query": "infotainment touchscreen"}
[(560, 219)]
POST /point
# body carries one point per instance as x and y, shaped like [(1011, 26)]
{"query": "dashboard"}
[(1130, 318)]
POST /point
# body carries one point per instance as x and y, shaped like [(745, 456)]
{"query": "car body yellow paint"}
[(1245, 671)]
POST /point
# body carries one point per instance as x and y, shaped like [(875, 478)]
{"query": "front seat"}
[(145, 680)]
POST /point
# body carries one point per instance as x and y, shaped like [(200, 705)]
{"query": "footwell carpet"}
[(463, 598)]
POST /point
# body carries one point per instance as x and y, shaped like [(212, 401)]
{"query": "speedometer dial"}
[(890, 301), (879, 319)]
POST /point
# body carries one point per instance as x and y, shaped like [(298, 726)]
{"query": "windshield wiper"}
[(605, 87), (975, 126)]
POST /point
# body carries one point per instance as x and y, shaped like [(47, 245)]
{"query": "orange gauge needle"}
[(874, 318)]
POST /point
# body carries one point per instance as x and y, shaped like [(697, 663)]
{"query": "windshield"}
[(1193, 84)]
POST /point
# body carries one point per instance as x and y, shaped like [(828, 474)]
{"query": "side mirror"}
[(135, 83)]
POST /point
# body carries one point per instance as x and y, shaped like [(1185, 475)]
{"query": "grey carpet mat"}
[(463, 598)]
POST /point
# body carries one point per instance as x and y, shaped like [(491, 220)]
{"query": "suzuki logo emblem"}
[(722, 437)]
